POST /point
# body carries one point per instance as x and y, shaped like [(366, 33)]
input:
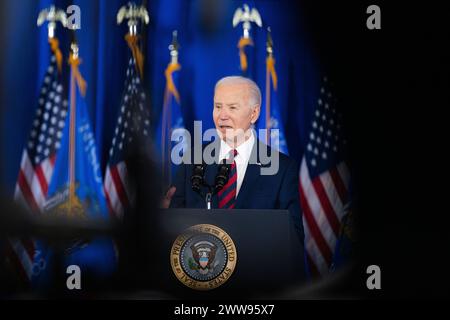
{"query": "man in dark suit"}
[(259, 177)]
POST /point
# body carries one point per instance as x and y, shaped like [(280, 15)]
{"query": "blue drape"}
[(208, 52)]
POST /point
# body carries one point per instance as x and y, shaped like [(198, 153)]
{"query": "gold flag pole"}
[(269, 63), (170, 92), (72, 137), (75, 80)]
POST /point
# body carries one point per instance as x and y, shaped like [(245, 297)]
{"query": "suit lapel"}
[(251, 176)]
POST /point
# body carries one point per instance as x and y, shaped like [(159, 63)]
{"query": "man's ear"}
[(255, 113)]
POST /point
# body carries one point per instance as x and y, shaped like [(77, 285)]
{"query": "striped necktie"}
[(227, 196)]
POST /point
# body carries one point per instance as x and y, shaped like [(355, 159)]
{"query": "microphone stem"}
[(208, 200)]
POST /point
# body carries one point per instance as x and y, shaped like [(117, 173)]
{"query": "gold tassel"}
[(54, 46), (171, 68), (74, 63), (243, 42), (137, 54), (271, 67)]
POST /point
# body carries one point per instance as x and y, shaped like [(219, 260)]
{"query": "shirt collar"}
[(244, 150)]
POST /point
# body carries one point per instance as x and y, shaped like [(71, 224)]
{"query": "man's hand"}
[(165, 203)]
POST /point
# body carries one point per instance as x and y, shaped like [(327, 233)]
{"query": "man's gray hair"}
[(254, 97)]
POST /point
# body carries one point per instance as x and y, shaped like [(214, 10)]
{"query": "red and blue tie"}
[(227, 196)]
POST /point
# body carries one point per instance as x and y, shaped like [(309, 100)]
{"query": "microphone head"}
[(222, 176), (197, 177)]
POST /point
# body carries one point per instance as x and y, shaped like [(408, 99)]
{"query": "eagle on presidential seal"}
[(204, 253)]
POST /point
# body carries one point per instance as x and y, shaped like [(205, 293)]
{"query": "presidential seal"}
[(203, 257)]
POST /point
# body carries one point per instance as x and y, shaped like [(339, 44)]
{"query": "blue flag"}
[(83, 199), (171, 120), (271, 110)]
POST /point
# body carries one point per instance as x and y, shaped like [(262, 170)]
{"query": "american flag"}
[(38, 159), (133, 123), (324, 182)]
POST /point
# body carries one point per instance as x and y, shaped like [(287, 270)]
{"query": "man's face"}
[(232, 114)]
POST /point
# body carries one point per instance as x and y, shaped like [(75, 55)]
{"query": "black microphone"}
[(197, 177), (223, 172)]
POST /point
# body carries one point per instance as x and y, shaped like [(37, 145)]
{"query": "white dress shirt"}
[(241, 159)]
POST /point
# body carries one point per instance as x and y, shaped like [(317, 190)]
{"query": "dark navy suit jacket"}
[(278, 191)]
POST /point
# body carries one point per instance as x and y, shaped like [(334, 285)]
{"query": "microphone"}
[(223, 172), (198, 172)]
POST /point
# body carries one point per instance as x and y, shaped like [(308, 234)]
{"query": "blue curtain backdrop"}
[(208, 52)]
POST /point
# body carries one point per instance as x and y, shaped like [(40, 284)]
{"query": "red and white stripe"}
[(322, 200), (31, 191), (21, 252), (117, 190), (32, 183)]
